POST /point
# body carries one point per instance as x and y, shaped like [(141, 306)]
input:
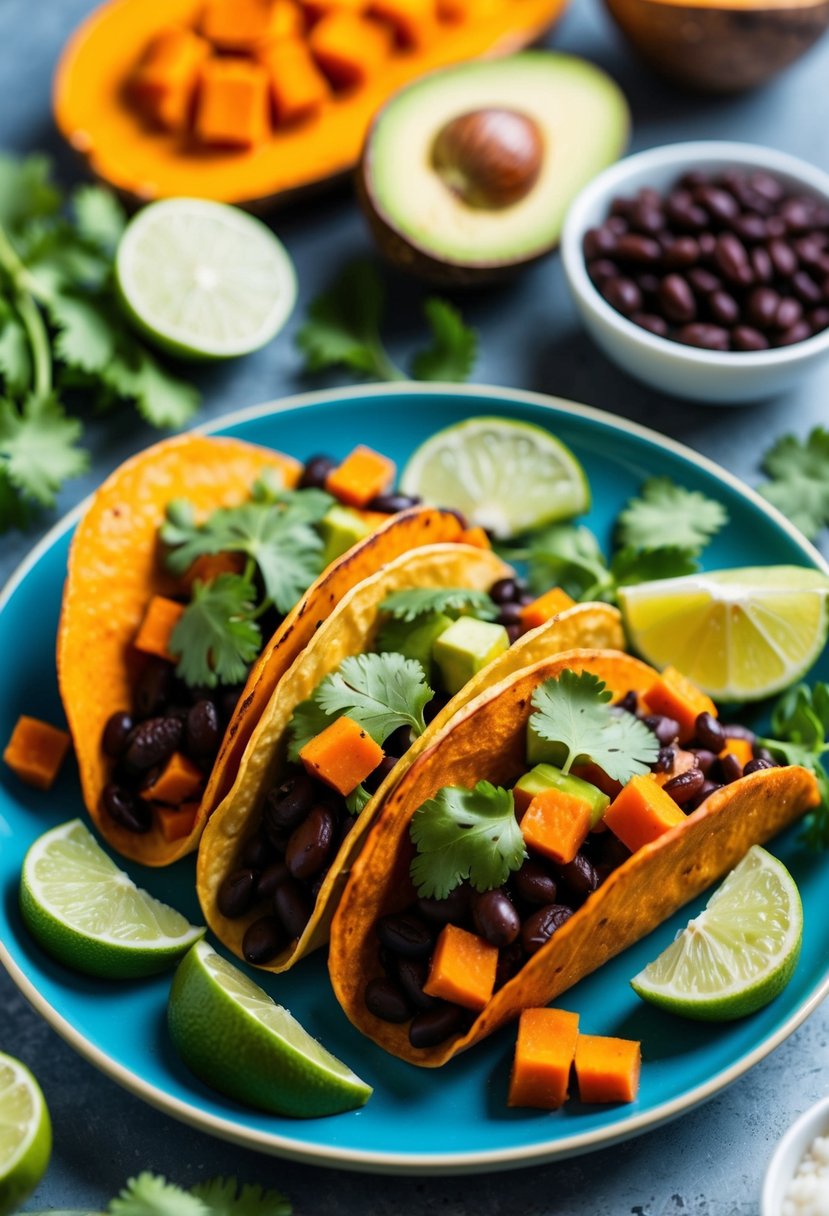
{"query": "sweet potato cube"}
[(414, 21), (342, 755), (741, 749), (165, 80), (642, 812), (362, 476), (233, 103), (556, 824), (476, 537), (544, 1054), (298, 87), (455, 11), (463, 968), (317, 9), (591, 773), (607, 1070), (157, 627), (674, 695), (36, 751), (548, 605), (179, 781), (175, 822), (244, 25), (210, 565), (350, 48)]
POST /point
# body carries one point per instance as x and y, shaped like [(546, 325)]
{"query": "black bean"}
[(757, 765), (316, 471), (750, 228), (601, 269), (637, 249), (151, 690), (731, 259), (514, 632), (730, 768), (116, 734), (744, 337), (736, 730), (629, 702), (202, 732), (797, 213), (378, 775), (152, 742), (706, 759), (646, 216), (386, 1000), (130, 812), (684, 786), (580, 877), (805, 288), (390, 504), (405, 934), (412, 974), (534, 884), (762, 753), (287, 806), (709, 732), (270, 879), (258, 852), (509, 614), (789, 312), (761, 264), (651, 322), (432, 708), (665, 760), (766, 185), (666, 729), (540, 926), (783, 257), (684, 212), (799, 332), (677, 299), (598, 242), (723, 308), (237, 892), (707, 788), (692, 178), (432, 1026), (504, 591), (611, 851), (510, 962), (648, 284), (707, 247), (399, 741), (703, 281), (453, 908), (228, 701), (623, 294), (720, 205), (707, 337), (819, 317), (263, 940), (681, 253), (310, 843), (810, 249), (319, 882), (495, 918), (293, 907)]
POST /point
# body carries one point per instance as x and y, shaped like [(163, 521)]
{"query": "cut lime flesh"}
[(90, 915), (739, 953), (25, 1134), (505, 476), (204, 280), (739, 634), (233, 1036)]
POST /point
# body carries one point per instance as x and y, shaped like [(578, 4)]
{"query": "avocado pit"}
[(490, 158)]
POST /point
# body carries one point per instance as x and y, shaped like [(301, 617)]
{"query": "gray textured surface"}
[(710, 1162)]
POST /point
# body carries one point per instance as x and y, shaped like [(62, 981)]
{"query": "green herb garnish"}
[(462, 834), (152, 1195), (799, 486), (452, 601), (666, 515), (217, 639), (800, 726)]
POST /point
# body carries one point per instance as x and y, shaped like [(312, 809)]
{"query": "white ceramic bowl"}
[(714, 377), (786, 1157)]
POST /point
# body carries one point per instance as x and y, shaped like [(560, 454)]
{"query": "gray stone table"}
[(708, 1163)]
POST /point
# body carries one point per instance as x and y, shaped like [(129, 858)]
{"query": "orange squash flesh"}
[(673, 695), (350, 48), (547, 1042), (556, 824), (36, 751), (342, 755), (239, 25), (741, 749), (179, 781), (157, 627), (362, 476), (232, 106), (463, 968), (99, 120), (607, 1069), (414, 21), (642, 813), (298, 87), (163, 83), (176, 822), (545, 608), (477, 538)]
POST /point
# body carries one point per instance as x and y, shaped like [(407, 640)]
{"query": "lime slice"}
[(203, 280), (504, 476), (238, 1041), (90, 915), (25, 1134), (738, 954), (739, 634)]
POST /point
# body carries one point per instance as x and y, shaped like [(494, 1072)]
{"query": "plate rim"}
[(423, 1163)]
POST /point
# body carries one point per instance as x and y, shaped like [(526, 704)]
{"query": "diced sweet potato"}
[(642, 813), (556, 824), (233, 103), (210, 565), (243, 25), (36, 751), (179, 781), (476, 537), (316, 9), (362, 476), (342, 755), (455, 11), (674, 695), (350, 48), (462, 969), (176, 822), (544, 1052), (598, 777), (298, 87), (165, 80), (414, 21), (683, 760), (607, 1070), (157, 627), (548, 605), (739, 748)]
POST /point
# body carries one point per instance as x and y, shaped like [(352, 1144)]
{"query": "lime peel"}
[(25, 1134)]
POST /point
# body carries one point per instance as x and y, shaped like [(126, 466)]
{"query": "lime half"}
[(90, 915), (25, 1134), (739, 634), (739, 953), (504, 476), (230, 1033), (203, 280)]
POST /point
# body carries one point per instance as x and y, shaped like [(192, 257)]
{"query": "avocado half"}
[(467, 174)]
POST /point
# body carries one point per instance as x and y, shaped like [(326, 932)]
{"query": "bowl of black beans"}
[(703, 268)]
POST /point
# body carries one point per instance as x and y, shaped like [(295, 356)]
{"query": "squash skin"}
[(95, 116), (720, 48)]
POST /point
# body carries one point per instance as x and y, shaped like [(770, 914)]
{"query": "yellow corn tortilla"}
[(350, 630), (487, 742)]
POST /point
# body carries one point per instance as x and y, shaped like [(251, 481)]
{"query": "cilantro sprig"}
[(574, 711), (152, 1195), (666, 515), (800, 726), (343, 330), (217, 638), (408, 605), (799, 479), (63, 337)]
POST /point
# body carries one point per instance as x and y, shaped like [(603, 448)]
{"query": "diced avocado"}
[(547, 777), (466, 647), (543, 751), (414, 639), (341, 527)]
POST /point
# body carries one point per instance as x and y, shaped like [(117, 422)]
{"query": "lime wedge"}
[(738, 954), (203, 280), (739, 634), (25, 1134), (504, 476), (90, 915), (238, 1041)]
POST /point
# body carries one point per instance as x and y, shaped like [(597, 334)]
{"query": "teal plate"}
[(419, 1120)]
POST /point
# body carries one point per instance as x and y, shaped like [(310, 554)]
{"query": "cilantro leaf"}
[(38, 447), (307, 505), (418, 601), (631, 565), (462, 834), (224, 1197), (799, 486), (574, 710), (15, 357), (357, 800), (100, 218), (26, 190), (666, 514), (84, 337), (343, 326), (308, 720), (454, 348), (379, 691), (567, 557), (800, 726), (160, 397), (215, 640), (152, 1195)]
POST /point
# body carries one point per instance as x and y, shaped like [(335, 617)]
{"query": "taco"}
[(436, 943), (404, 651), (119, 671)]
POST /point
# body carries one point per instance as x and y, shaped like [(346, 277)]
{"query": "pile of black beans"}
[(510, 595), (728, 262), (166, 717), (521, 917)]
